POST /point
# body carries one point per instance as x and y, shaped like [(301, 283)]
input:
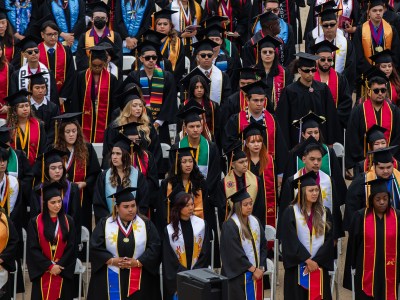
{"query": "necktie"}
[(51, 51), (207, 73), (50, 54)]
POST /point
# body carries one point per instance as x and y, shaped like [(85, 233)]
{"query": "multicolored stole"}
[(198, 200), (367, 43), (278, 85), (141, 162), (155, 98), (268, 122), (393, 93), (78, 172), (325, 164), (231, 186), (89, 39), (4, 78), (202, 154), (4, 232), (173, 51), (313, 281), (60, 63), (178, 246), (94, 133), (340, 55), (333, 83), (51, 285), (390, 249), (386, 119), (254, 288), (113, 229), (109, 189), (9, 52), (29, 141)]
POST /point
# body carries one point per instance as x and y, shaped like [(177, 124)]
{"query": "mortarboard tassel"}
[(298, 191), (176, 162), (168, 209)]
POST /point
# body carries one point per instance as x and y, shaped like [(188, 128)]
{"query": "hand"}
[(350, 29), (4, 109), (61, 100), (188, 34), (19, 36), (258, 274), (311, 265), (81, 184), (56, 270), (114, 261), (131, 43), (68, 37), (156, 125)]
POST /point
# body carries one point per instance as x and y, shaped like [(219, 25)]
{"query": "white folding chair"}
[(212, 249), (165, 150), (339, 151), (187, 64), (270, 235), (85, 238), (128, 60), (79, 270), (98, 147), (24, 239), (353, 290), (334, 278), (74, 59), (15, 273), (161, 283)]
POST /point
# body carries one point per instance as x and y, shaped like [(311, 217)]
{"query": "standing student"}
[(6, 69)]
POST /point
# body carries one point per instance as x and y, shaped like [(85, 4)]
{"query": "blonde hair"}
[(245, 231)]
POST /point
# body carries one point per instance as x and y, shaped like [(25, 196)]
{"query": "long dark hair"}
[(80, 150), (179, 204), (195, 177), (126, 163), (8, 38), (192, 86), (274, 67), (4, 154), (49, 224), (63, 180), (3, 59)]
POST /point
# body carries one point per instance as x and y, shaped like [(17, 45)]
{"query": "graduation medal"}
[(53, 247), (379, 49), (126, 240)]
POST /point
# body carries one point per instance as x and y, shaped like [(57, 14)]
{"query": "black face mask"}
[(99, 24)]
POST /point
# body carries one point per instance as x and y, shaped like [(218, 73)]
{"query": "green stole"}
[(325, 164), (12, 165), (202, 154)]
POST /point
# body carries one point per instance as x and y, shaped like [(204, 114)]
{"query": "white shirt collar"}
[(37, 105)]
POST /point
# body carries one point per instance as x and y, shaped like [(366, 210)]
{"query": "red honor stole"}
[(4, 78), (141, 163), (386, 117), (393, 93), (79, 174), (270, 194), (269, 122), (333, 83), (390, 246), (94, 133), (9, 52), (60, 62), (279, 84), (31, 137), (242, 100), (51, 284)]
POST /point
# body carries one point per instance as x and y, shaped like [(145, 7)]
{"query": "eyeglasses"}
[(204, 55), (50, 35), (274, 10), (267, 52), (312, 70), (382, 90), (323, 59), (30, 52), (152, 57), (329, 25)]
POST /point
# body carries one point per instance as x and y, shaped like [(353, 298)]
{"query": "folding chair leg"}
[(80, 286), (161, 283)]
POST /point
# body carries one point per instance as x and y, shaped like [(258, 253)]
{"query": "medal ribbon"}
[(376, 35), (126, 232), (25, 138)]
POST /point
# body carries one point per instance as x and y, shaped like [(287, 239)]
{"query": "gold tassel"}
[(230, 164), (168, 210), (368, 193), (113, 208), (136, 60), (226, 210), (255, 24), (298, 191), (176, 162), (55, 131), (42, 168)]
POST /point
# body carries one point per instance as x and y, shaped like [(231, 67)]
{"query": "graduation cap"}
[(385, 56), (153, 36), (235, 152), (372, 3), (205, 44), (181, 152), (3, 13), (375, 133), (214, 30), (65, 118), (250, 73), (240, 195), (5, 136), (28, 42), (49, 190), (306, 59), (124, 195), (258, 87), (165, 13), (98, 6), (128, 95), (51, 156), (36, 78), (267, 16), (375, 72), (307, 145), (253, 128), (329, 14), (308, 179), (147, 45), (185, 81), (108, 45), (123, 142), (323, 6), (215, 19), (310, 120), (383, 155), (324, 46), (99, 51), (18, 97), (267, 41), (191, 112), (378, 185), (4, 145), (129, 128)]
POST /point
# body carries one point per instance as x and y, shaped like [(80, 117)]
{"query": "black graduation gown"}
[(231, 135), (170, 263), (99, 198), (354, 150), (295, 253), (38, 264), (234, 260), (46, 113), (355, 200), (355, 257), (287, 196), (180, 69), (296, 101), (8, 255), (150, 259), (82, 60)]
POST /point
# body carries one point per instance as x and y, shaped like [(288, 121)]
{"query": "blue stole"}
[(284, 34), (113, 282), (393, 189), (222, 64), (132, 21), (304, 279), (19, 17), (109, 189), (61, 21), (250, 289)]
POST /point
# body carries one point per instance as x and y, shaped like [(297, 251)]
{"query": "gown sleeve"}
[(98, 251), (8, 255), (68, 260), (142, 194), (99, 198), (345, 102), (75, 210), (355, 200)]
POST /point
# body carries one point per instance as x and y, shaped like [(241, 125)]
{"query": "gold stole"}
[(4, 232), (366, 39), (89, 40), (230, 185), (371, 175)]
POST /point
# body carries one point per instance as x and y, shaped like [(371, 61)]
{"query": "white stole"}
[(247, 245), (340, 56), (23, 83), (216, 84), (13, 191), (112, 231), (311, 243), (178, 246)]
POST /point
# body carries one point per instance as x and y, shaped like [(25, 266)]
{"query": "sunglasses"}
[(312, 70), (152, 57), (382, 90), (326, 59), (274, 10), (204, 55), (30, 52), (330, 25), (268, 52)]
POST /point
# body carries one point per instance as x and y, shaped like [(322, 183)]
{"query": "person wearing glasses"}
[(94, 94), (305, 95), (337, 82), (57, 58), (30, 52), (344, 60), (375, 110), (99, 16)]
